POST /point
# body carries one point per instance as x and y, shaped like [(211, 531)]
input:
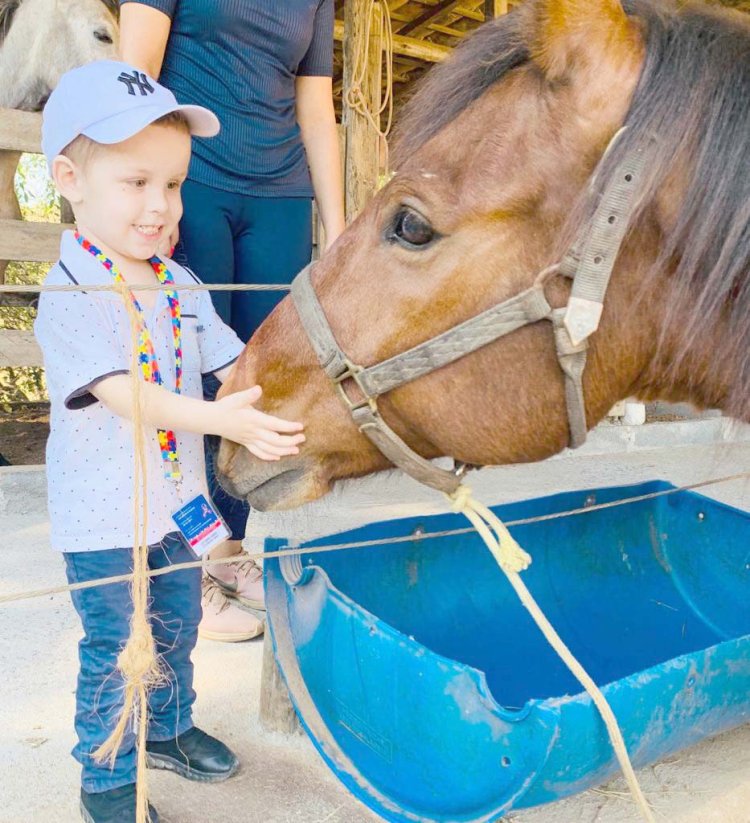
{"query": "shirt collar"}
[(88, 271)]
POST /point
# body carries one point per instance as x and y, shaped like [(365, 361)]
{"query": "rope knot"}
[(511, 557), (460, 498)]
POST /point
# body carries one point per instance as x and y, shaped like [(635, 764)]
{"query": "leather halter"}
[(588, 263)]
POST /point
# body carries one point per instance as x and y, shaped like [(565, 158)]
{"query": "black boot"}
[(113, 806), (194, 755)]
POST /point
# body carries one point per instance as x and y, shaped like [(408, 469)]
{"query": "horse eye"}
[(103, 36), (412, 228)]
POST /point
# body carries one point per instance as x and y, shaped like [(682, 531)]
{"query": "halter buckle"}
[(352, 371)]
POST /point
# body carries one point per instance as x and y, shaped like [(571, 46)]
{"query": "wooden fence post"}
[(21, 131), (9, 209), (276, 710)]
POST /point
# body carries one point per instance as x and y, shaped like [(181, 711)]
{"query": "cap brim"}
[(119, 127), (203, 122)]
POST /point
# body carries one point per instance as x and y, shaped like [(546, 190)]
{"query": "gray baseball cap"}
[(109, 101)]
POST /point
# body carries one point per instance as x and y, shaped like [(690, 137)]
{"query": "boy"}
[(118, 146)]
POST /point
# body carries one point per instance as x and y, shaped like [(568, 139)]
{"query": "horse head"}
[(492, 183), (42, 39), (85, 30)]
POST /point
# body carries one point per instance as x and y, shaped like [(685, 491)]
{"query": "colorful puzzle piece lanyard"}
[(146, 353)]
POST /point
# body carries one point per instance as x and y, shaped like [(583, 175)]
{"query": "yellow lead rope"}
[(138, 662), (512, 559)]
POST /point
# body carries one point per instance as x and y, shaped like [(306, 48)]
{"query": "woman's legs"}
[(207, 247), (275, 242), (271, 240), (206, 242)]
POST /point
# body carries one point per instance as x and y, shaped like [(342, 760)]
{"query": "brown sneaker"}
[(242, 580), (224, 620)]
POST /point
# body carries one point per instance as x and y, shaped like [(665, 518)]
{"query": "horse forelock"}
[(8, 9)]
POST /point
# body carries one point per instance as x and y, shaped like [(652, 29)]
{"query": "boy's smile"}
[(126, 196)]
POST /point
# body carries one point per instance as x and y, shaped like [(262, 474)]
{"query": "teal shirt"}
[(240, 58)]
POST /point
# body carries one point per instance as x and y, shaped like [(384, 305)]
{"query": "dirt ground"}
[(283, 780), (23, 437)]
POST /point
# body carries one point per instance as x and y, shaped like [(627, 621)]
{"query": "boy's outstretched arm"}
[(233, 417)]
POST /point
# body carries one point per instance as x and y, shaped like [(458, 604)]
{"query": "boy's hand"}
[(265, 436)]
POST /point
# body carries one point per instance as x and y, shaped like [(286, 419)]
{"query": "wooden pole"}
[(361, 158), (494, 8), (276, 710), (9, 209)]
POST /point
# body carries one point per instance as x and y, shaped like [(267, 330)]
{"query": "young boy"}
[(118, 146)]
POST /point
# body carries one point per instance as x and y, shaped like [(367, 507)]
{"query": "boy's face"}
[(126, 197)]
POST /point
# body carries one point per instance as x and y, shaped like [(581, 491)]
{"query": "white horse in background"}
[(39, 41), (42, 39)]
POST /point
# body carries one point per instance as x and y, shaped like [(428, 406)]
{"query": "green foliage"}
[(39, 202), (21, 386), (35, 190)]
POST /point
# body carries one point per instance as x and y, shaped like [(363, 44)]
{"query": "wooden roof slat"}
[(408, 46), (418, 24)]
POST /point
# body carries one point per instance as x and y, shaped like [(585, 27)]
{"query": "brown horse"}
[(492, 182)]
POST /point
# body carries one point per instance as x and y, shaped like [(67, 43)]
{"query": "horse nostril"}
[(103, 36)]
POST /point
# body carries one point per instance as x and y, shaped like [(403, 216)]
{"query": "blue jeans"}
[(227, 237), (105, 611)]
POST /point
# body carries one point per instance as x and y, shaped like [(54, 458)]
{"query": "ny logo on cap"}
[(136, 79)]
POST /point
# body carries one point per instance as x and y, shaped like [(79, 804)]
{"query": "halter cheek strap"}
[(588, 263)]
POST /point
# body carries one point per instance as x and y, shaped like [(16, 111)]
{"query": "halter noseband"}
[(588, 263)]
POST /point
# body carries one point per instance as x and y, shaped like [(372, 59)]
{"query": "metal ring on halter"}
[(352, 371)]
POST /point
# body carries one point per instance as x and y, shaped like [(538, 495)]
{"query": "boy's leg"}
[(105, 615), (174, 743), (175, 612)]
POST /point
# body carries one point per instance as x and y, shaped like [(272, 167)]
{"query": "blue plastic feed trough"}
[(431, 694)]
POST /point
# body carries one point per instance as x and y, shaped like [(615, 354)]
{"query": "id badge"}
[(201, 525)]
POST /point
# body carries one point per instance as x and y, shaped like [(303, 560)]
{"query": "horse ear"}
[(570, 31)]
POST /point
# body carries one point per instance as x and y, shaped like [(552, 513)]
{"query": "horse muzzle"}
[(268, 486)]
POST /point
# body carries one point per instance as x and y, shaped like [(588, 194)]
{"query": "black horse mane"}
[(693, 97)]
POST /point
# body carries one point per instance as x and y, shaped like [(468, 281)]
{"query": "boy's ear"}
[(66, 175)]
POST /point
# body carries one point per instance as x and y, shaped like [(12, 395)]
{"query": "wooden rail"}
[(21, 131), (31, 242)]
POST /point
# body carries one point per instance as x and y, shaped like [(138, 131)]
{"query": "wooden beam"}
[(19, 300), (421, 21), (19, 348), (32, 242), (495, 8), (405, 46), (20, 130)]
